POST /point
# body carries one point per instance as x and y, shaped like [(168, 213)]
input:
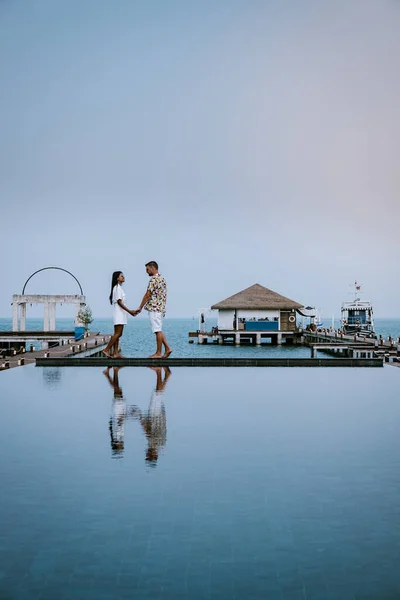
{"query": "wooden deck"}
[(353, 346), (93, 343), (11, 336), (353, 340), (87, 353)]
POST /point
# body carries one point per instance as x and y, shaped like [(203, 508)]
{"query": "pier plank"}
[(99, 361), (95, 342)]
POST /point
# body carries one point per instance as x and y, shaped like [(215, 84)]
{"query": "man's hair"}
[(152, 263)]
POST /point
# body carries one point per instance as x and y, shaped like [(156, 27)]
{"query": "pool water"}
[(200, 483)]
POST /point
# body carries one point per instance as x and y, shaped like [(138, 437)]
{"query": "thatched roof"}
[(257, 297)]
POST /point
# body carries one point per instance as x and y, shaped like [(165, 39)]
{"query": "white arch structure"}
[(48, 300)]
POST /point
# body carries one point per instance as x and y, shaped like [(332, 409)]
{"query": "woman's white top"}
[(120, 316)]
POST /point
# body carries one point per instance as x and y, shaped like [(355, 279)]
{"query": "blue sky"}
[(233, 142)]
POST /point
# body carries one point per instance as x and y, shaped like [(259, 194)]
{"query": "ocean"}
[(138, 340)]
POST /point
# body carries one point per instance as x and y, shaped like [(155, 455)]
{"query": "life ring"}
[(292, 319)]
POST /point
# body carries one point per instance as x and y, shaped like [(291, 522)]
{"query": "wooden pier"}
[(324, 335), (348, 351), (352, 345), (17, 339), (242, 337), (91, 344), (331, 342)]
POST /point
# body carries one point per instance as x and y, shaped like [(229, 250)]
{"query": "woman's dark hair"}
[(114, 282)]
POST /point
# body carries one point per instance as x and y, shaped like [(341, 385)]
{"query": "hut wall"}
[(225, 319), (287, 321)]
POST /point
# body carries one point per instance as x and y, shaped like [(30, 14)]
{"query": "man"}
[(154, 302)]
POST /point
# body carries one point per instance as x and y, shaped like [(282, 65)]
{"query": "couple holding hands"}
[(153, 301)]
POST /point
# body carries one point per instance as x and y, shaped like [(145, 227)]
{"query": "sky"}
[(234, 142)]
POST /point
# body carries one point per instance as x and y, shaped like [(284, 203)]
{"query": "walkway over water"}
[(26, 336), (92, 343), (98, 361), (341, 338)]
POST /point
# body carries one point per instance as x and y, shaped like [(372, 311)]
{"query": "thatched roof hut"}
[(257, 297)]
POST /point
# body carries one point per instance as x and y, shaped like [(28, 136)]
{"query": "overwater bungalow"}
[(254, 314)]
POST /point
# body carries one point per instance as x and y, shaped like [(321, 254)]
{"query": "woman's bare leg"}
[(114, 342)]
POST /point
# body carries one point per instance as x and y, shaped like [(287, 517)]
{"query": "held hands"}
[(135, 312)]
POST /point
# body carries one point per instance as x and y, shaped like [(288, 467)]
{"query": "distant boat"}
[(357, 315)]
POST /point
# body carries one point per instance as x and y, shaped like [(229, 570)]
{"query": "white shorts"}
[(155, 321)]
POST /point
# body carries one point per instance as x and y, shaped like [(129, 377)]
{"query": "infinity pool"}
[(200, 484)]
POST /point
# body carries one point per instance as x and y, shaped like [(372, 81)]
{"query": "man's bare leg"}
[(159, 341), (167, 347)]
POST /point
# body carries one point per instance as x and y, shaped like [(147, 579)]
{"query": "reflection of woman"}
[(120, 313), (119, 414), (154, 421)]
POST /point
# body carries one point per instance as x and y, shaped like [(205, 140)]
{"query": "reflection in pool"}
[(274, 484), (153, 420)]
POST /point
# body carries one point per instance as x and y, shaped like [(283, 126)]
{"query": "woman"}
[(120, 313)]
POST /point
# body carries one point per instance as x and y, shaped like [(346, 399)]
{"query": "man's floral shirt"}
[(158, 289)]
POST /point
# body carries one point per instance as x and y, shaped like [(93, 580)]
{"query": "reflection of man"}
[(119, 413), (154, 421)]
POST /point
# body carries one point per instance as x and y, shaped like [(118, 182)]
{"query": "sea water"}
[(138, 340)]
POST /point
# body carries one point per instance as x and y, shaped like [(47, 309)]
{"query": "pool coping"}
[(96, 361)]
